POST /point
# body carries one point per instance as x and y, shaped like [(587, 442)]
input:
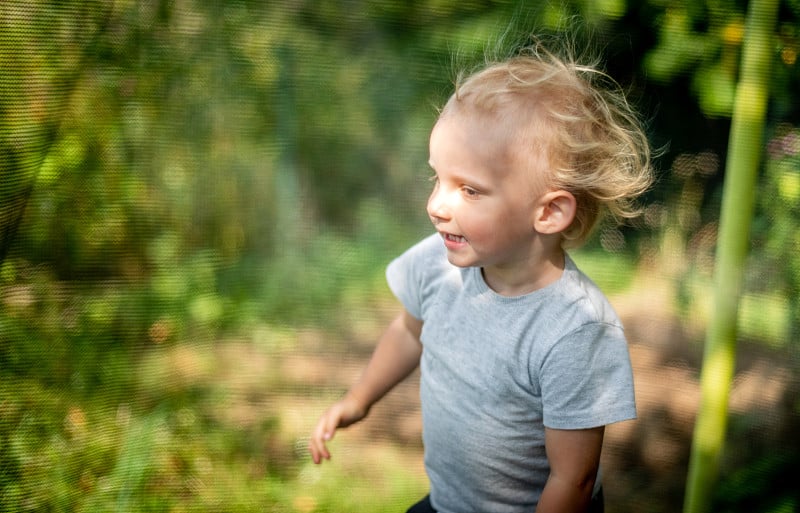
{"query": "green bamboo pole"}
[(744, 157)]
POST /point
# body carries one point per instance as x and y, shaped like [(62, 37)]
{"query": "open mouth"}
[(453, 238)]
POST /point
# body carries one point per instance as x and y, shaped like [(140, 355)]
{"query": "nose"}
[(438, 210)]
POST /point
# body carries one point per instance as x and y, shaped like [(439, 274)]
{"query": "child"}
[(523, 361)]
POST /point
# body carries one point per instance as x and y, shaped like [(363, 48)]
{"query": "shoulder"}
[(415, 275), (585, 372), (574, 315), (584, 297)]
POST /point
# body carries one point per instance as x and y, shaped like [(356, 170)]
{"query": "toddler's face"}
[(482, 201)]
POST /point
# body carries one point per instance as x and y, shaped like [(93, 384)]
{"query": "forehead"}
[(513, 138), (458, 137)]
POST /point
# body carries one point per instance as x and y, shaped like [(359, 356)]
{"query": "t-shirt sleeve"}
[(586, 379), (406, 274)]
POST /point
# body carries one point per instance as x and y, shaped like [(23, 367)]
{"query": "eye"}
[(469, 191)]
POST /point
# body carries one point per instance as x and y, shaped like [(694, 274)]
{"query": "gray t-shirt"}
[(496, 370)]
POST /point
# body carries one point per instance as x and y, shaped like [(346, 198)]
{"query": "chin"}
[(461, 262)]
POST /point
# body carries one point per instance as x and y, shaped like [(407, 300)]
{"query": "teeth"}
[(455, 238)]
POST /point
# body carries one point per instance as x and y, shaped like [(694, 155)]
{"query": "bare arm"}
[(574, 457), (395, 357)]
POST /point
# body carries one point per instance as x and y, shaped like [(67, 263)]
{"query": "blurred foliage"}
[(179, 172), (776, 268)]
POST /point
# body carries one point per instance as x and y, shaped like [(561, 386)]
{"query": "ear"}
[(554, 212)]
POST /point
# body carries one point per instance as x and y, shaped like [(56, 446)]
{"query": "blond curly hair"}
[(577, 119)]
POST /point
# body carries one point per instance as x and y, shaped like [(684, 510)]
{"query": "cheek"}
[(479, 223), (500, 223)]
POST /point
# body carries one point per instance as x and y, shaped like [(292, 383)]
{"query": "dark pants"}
[(424, 506)]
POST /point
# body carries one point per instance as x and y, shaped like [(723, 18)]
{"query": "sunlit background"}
[(198, 201)]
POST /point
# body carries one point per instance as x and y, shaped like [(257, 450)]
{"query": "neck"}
[(526, 277)]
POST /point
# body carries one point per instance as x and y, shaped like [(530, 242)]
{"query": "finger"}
[(316, 455), (318, 450), (316, 447), (322, 433)]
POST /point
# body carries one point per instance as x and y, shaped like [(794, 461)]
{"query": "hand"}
[(395, 357), (342, 414)]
